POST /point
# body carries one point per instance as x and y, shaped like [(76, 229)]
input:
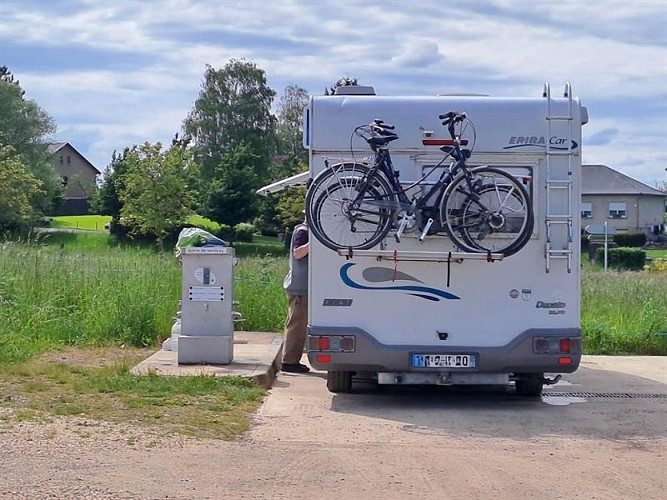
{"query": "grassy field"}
[(96, 383), (97, 222), (88, 222), (624, 313), (656, 254)]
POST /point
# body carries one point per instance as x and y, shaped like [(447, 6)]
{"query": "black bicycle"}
[(354, 205)]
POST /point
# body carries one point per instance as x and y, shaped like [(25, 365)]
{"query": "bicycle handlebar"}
[(381, 128), (452, 117), (382, 124)]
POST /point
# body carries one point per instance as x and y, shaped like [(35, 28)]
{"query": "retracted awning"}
[(278, 186)]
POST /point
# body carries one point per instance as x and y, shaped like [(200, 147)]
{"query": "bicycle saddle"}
[(382, 140)]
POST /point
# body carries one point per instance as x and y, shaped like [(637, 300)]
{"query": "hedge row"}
[(623, 258)]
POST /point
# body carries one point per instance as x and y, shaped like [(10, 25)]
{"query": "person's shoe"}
[(294, 368)]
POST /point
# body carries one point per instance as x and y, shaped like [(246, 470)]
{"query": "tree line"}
[(29, 184), (229, 145)]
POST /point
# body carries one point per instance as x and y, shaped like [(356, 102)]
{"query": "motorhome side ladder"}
[(558, 184)]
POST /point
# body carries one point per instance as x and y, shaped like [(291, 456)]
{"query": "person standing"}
[(296, 287)]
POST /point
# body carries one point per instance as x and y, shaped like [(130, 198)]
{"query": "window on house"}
[(586, 211), (617, 211), (69, 159), (61, 159)]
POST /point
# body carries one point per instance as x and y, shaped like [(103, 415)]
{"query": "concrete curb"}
[(256, 356)]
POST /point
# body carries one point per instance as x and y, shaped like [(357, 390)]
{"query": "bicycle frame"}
[(382, 163)]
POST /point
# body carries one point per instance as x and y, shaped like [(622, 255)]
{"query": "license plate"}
[(444, 361)]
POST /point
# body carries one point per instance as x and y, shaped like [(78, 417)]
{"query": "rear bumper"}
[(515, 357)]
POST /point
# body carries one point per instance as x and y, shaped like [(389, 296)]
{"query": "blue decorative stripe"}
[(427, 297), (417, 291)]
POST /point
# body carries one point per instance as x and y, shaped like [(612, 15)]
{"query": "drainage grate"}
[(609, 395)]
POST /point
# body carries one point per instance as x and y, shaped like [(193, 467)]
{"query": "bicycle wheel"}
[(348, 208), (495, 216), (323, 182)]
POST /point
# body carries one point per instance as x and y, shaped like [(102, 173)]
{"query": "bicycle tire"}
[(331, 175), (522, 235), (335, 221), (504, 228)]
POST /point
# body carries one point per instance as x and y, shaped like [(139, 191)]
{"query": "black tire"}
[(339, 382), (529, 385), (339, 223), (496, 216)]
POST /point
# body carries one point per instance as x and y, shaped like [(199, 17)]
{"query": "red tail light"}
[(347, 344), (564, 345)]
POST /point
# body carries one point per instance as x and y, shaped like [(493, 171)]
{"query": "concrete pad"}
[(648, 367), (256, 356)]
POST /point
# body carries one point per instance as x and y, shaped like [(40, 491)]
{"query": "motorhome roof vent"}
[(354, 90)]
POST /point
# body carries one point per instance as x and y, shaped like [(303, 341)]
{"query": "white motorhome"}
[(417, 310)]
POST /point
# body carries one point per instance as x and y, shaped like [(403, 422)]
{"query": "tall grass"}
[(258, 286), (81, 289), (624, 313), (52, 297)]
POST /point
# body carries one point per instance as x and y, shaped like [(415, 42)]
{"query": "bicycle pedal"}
[(428, 225)]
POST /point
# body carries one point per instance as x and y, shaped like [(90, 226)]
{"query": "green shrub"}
[(225, 233), (244, 232), (630, 239), (264, 227), (623, 258), (657, 266)]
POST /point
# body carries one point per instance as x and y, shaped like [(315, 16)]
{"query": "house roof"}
[(600, 179), (54, 147)]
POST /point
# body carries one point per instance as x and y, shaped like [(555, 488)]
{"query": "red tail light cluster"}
[(556, 345), (331, 343)]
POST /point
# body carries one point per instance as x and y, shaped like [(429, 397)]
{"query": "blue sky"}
[(113, 73)]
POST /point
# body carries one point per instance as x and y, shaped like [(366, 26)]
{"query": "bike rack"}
[(420, 256)]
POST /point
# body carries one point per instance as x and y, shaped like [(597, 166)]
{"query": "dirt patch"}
[(97, 356)]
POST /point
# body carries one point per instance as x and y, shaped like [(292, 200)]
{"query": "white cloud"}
[(152, 57), (417, 53)]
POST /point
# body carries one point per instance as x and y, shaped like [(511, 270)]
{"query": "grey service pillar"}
[(207, 328)]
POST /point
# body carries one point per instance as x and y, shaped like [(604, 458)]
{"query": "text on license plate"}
[(443, 361)]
